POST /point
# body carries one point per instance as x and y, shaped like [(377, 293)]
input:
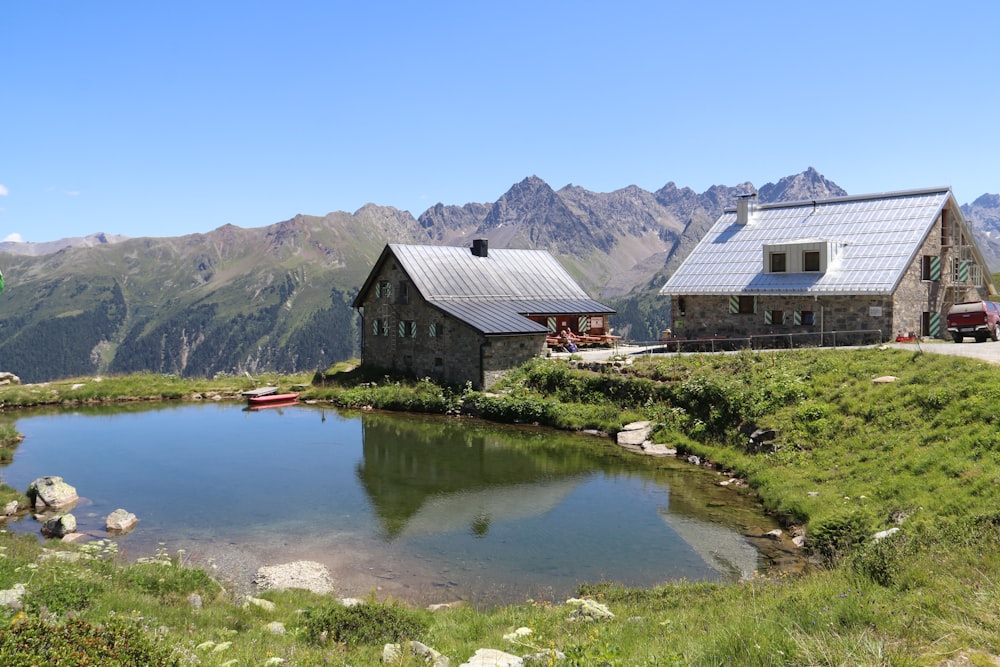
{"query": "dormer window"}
[(804, 256), (778, 262), (810, 260)]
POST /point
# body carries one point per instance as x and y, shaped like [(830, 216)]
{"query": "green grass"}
[(852, 457)]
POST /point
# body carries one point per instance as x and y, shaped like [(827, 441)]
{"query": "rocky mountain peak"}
[(810, 184)]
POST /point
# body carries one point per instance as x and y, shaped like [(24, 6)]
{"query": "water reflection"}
[(417, 507)]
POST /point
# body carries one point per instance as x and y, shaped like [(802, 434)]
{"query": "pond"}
[(423, 509)]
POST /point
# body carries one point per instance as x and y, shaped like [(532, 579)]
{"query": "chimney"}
[(480, 247), (744, 208)]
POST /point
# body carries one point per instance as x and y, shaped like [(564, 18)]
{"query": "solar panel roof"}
[(494, 293), (878, 237)]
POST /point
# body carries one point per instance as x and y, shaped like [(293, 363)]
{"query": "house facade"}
[(463, 315), (873, 266)]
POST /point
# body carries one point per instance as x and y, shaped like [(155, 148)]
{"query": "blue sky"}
[(170, 118)]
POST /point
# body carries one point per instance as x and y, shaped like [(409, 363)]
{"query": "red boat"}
[(272, 399)]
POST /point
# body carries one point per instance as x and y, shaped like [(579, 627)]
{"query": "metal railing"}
[(768, 341)]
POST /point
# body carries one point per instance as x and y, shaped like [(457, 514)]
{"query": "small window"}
[(774, 317), (407, 329), (404, 293), (810, 260), (808, 318), (383, 290), (748, 305), (778, 263)]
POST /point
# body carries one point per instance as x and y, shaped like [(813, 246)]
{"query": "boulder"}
[(634, 434), (12, 596), (59, 526), (397, 653), (51, 493), (120, 521), (9, 378), (586, 609), (10, 508), (305, 574), (491, 657)]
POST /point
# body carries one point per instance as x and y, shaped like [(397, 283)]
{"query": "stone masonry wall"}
[(907, 311), (433, 344)]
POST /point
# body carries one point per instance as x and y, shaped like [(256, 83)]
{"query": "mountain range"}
[(238, 300)]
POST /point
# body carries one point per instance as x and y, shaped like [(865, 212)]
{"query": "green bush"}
[(837, 536), (883, 561), (369, 623), (30, 641)]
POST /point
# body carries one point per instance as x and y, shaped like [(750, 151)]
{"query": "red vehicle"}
[(979, 319)]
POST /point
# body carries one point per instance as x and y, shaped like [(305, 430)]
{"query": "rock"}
[(9, 378), (775, 534), (69, 538), (275, 628), (266, 605), (396, 653), (799, 541), (351, 602), (885, 379), (637, 426), (881, 535), (549, 657), (120, 521), (694, 460), (299, 574), (634, 434), (650, 449), (813, 494), (195, 601), (445, 605), (12, 596), (10, 508), (491, 657), (59, 526), (51, 493), (588, 610)]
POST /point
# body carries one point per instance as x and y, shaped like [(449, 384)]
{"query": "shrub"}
[(883, 561), (837, 536), (370, 623), (116, 643)]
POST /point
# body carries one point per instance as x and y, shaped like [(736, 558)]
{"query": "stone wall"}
[(431, 343), (907, 311)]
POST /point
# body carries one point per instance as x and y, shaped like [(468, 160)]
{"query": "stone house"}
[(461, 315), (830, 271)]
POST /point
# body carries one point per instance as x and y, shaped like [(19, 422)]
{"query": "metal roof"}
[(494, 293), (878, 236)]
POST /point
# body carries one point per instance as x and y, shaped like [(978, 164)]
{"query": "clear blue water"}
[(423, 509)]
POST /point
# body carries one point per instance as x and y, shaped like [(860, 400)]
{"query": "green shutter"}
[(767, 317), (583, 324), (378, 290), (734, 304), (551, 324), (935, 268), (797, 318), (432, 329), (375, 327), (934, 324), (402, 329)]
